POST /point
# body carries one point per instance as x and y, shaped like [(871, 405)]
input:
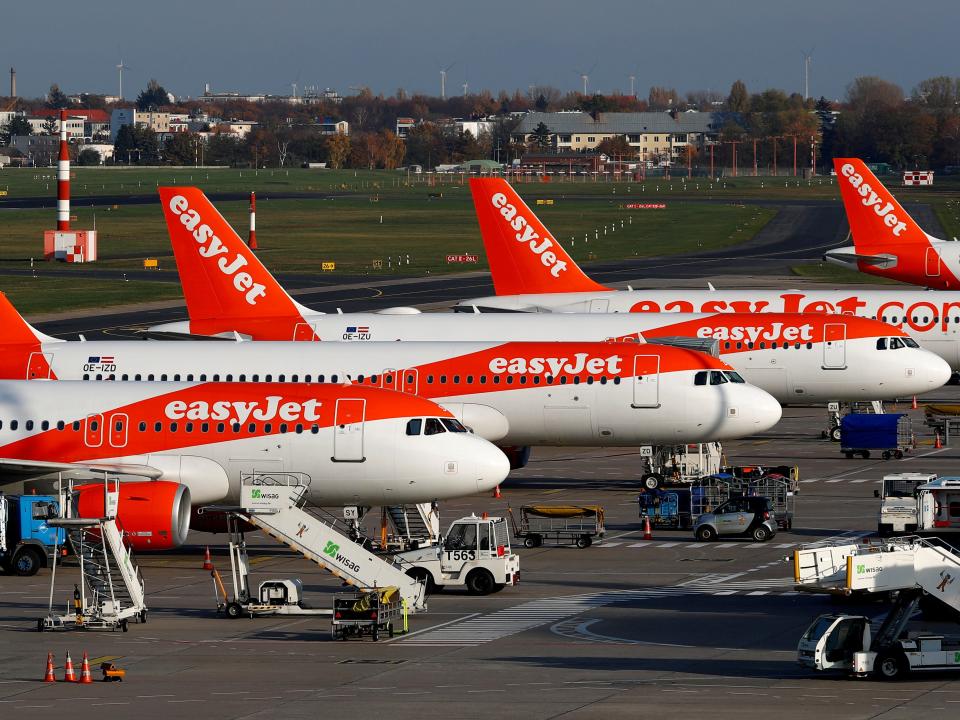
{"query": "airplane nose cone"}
[(492, 466), (934, 369), (758, 409)]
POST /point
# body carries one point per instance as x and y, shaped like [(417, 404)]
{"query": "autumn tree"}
[(540, 137), (338, 150), (153, 97), (661, 98), (56, 99), (738, 100), (616, 146)]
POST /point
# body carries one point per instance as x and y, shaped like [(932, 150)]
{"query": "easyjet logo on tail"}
[(581, 362), (211, 247), (241, 411), (526, 234), (873, 201)]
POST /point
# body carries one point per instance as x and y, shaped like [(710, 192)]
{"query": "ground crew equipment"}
[(111, 673), (574, 524), (27, 542), (368, 611), (920, 572), (475, 554)]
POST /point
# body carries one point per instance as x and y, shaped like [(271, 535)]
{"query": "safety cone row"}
[(69, 674), (647, 532), (207, 562)]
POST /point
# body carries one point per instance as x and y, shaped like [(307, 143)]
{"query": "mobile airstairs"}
[(915, 571), (277, 504), (111, 592)]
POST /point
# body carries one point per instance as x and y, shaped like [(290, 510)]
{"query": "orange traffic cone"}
[(69, 675), (85, 677), (207, 562), (496, 492), (647, 532), (913, 405), (937, 444), (49, 677)]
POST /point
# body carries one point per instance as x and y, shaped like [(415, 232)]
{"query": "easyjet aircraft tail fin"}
[(15, 330), (524, 257), (224, 282), (877, 220)]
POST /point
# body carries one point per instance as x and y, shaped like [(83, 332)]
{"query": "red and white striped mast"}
[(252, 239), (63, 177)]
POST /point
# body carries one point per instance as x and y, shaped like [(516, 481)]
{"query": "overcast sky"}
[(264, 45)]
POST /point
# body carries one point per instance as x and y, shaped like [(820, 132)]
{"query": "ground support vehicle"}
[(475, 554), (745, 516), (111, 592), (671, 465), (890, 433), (276, 503), (916, 570), (679, 508), (790, 473), (367, 611), (563, 524), (836, 411), (944, 418), (27, 542), (274, 596), (938, 505), (898, 505)]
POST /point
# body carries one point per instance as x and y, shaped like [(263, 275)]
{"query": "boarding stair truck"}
[(915, 570), (475, 554), (898, 503), (414, 526), (276, 503), (27, 542), (111, 592)]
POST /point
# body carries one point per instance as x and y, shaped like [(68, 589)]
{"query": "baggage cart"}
[(891, 434), (367, 611), (564, 524)]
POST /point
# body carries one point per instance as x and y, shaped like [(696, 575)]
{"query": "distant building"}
[(332, 126), (92, 123), (40, 150), (404, 126), (50, 125), (475, 127), (656, 137), (159, 122), (238, 128)]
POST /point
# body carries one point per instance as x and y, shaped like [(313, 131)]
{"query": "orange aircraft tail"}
[(877, 220), (524, 257), (21, 351), (225, 285)]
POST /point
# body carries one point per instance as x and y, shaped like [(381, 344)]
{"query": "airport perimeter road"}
[(668, 628)]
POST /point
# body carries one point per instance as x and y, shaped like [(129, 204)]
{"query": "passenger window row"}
[(203, 427)]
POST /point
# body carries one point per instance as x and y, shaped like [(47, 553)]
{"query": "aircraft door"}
[(646, 381), (348, 430), (932, 262), (93, 430), (118, 430), (835, 346), (39, 366), (305, 332), (411, 381), (599, 305)]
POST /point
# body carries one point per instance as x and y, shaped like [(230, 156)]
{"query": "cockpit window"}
[(717, 378), (433, 427), (881, 343), (911, 343), (453, 425), (896, 343), (734, 376), (414, 426), (700, 378)]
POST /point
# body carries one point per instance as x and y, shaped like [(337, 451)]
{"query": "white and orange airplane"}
[(524, 283), (887, 242), (189, 444), (797, 358), (517, 394)]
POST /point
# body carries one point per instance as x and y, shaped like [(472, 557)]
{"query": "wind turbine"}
[(633, 79), (443, 80), (466, 80), (121, 67), (807, 59), (585, 76)]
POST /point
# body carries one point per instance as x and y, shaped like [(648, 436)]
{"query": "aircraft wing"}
[(16, 469), (709, 346)]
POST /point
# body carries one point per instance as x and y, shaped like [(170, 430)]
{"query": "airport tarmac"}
[(668, 627)]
